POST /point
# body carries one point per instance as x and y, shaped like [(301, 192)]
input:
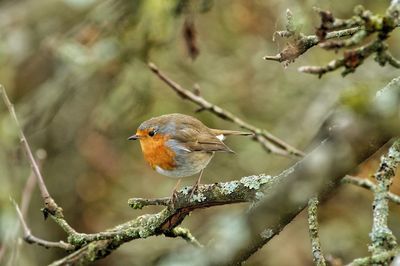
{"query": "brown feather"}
[(230, 132)]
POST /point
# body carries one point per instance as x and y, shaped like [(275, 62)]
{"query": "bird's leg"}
[(196, 185), (174, 195)]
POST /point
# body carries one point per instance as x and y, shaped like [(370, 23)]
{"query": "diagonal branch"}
[(270, 142), (49, 202), (318, 256)]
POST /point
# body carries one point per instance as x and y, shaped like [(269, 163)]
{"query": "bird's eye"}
[(152, 133)]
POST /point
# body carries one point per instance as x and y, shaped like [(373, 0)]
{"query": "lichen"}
[(229, 187), (255, 181), (77, 239), (134, 204), (199, 197), (186, 190), (267, 233)]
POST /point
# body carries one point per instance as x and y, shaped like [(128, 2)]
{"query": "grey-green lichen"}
[(77, 239), (186, 190), (229, 187), (255, 181), (134, 204), (259, 195), (267, 233), (199, 197), (382, 238)]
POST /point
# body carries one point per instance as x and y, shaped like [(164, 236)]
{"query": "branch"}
[(318, 256), (270, 142), (185, 234), (382, 238), (334, 34), (31, 239), (50, 204), (31, 183), (93, 246), (367, 184)]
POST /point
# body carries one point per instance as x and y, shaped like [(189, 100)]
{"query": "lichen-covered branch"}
[(185, 234), (367, 184), (380, 259), (270, 142), (335, 34), (318, 256), (382, 238), (93, 246), (301, 43)]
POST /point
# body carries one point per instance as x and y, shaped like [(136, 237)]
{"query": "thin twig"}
[(31, 239), (367, 184), (318, 256), (25, 201), (270, 142), (185, 234), (49, 202), (30, 184)]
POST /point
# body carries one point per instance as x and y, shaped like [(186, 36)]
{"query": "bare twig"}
[(49, 202), (31, 239), (318, 256), (367, 184), (30, 184), (185, 234), (270, 142)]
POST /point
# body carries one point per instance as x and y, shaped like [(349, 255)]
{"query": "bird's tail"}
[(231, 132)]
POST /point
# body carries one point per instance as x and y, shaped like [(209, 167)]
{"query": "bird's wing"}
[(194, 140), (230, 132)]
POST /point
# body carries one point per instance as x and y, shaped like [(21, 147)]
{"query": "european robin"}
[(177, 145)]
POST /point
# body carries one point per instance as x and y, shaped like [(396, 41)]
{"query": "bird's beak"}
[(134, 137)]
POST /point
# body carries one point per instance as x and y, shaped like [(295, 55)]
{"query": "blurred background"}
[(77, 73)]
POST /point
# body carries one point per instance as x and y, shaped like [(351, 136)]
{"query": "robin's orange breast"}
[(156, 153)]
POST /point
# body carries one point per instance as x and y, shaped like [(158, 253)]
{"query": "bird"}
[(178, 146)]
